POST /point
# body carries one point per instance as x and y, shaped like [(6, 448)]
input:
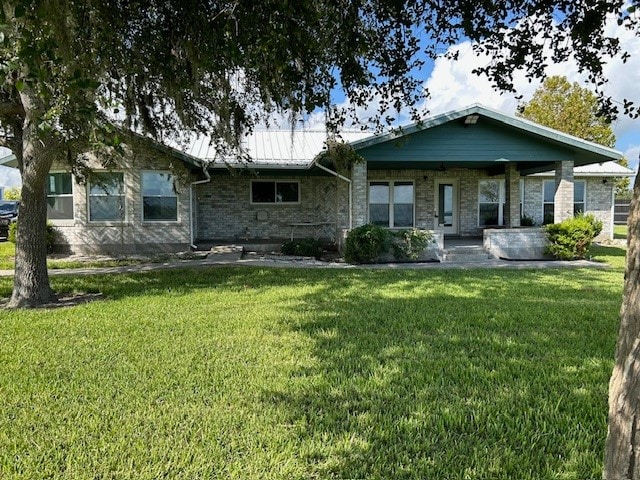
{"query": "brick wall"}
[(225, 211), (132, 235)]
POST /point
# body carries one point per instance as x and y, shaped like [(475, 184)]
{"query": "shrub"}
[(367, 244), (307, 247), (526, 221), (572, 238), (51, 234)]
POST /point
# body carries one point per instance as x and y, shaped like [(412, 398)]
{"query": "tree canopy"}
[(575, 110)]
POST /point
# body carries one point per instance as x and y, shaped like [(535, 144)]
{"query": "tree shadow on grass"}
[(499, 378)]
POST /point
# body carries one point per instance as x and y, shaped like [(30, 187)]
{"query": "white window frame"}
[(275, 191), (143, 196), (502, 198), (390, 185), (123, 195), (59, 221), (547, 182)]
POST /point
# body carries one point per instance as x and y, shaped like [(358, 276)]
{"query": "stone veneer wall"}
[(598, 200), (225, 211), (132, 235)]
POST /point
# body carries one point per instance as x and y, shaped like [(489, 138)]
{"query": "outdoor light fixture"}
[(605, 181), (471, 119), (442, 167)]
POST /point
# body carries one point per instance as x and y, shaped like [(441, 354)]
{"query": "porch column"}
[(359, 192), (563, 198), (512, 200)]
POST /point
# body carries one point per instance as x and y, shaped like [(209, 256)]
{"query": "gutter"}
[(199, 182), (341, 177)]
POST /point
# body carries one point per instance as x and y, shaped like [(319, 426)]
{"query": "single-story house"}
[(473, 172)]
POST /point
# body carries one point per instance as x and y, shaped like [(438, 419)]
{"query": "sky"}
[(453, 86)]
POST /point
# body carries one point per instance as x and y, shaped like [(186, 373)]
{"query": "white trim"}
[(502, 199), (275, 182), (553, 182), (142, 196), (390, 184)]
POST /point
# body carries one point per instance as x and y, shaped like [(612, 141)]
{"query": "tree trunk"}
[(622, 452), (31, 280)]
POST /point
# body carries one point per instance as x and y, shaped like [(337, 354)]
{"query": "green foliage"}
[(339, 155), (527, 221), (370, 243), (569, 108), (50, 234), (366, 244), (12, 193), (269, 374), (623, 184), (307, 247), (572, 238)]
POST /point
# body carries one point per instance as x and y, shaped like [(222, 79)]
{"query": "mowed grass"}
[(250, 373)]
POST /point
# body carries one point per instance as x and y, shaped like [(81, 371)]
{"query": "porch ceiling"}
[(492, 167)]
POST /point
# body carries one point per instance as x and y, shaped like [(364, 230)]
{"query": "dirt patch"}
[(65, 300)]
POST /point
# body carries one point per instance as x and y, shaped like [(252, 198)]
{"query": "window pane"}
[(379, 214), (106, 208), (578, 192), (157, 183), (287, 192), (549, 191), (548, 213), (160, 208), (489, 191), (578, 208), (60, 208), (489, 214), (403, 215), (379, 192), (107, 183), (59, 184), (263, 192)]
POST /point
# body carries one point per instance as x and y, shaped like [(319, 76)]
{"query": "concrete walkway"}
[(274, 261)]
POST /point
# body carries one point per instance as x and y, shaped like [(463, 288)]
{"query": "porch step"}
[(471, 253)]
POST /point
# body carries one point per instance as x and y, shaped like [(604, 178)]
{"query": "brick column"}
[(563, 198), (512, 200), (359, 192)]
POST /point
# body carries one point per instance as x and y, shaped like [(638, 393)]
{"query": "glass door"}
[(446, 203)]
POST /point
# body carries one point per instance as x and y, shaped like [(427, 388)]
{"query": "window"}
[(549, 189), (59, 196), (579, 197), (548, 194), (391, 204), (275, 192), (491, 202), (159, 199), (106, 197)]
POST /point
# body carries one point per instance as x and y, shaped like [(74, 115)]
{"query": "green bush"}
[(572, 238), (369, 243), (51, 234), (526, 221), (307, 247)]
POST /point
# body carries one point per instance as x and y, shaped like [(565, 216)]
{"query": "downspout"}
[(199, 182), (341, 177)]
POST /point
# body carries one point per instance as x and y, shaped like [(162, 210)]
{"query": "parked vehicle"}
[(8, 215)]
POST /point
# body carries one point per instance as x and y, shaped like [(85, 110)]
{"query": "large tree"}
[(575, 110), (570, 108)]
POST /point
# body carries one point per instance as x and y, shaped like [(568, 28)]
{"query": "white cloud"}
[(453, 85)]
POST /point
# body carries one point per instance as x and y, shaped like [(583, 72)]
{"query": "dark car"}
[(8, 215)]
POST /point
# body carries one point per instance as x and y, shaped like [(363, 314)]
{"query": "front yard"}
[(252, 373)]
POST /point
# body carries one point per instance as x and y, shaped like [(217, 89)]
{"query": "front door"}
[(446, 202)]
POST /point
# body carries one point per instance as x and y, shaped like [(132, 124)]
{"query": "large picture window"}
[(106, 197), (60, 196), (548, 194), (391, 204), (275, 192), (491, 203), (159, 199)]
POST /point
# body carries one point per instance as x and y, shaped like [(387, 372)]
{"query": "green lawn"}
[(251, 373), (620, 232)]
